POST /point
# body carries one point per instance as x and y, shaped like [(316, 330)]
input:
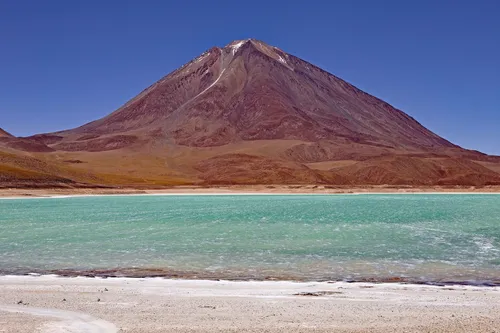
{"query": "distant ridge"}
[(4, 134)]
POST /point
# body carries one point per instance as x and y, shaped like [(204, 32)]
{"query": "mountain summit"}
[(252, 113), (249, 90)]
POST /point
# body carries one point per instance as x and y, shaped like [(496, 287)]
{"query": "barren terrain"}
[(50, 304), (246, 113)]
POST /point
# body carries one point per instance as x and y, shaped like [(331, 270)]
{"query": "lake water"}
[(432, 238)]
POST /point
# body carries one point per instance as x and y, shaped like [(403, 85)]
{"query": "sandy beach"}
[(57, 304), (242, 189)]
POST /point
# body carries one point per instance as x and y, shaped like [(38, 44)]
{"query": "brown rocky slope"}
[(4, 134), (251, 113)]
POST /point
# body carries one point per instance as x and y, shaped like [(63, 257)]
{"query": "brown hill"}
[(4, 134), (405, 170), (7, 140), (251, 113)]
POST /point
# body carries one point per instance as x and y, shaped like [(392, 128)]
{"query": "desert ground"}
[(50, 304), (243, 189)]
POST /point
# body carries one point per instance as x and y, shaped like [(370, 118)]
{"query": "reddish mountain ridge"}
[(20, 169), (7, 140), (252, 113), (4, 134)]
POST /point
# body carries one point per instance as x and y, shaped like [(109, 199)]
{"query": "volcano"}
[(249, 90), (252, 113)]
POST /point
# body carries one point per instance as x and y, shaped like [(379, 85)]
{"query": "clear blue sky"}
[(64, 63)]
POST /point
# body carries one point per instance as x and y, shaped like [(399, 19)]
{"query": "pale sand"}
[(243, 189), (159, 305)]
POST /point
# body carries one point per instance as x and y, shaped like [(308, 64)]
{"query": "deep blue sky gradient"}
[(64, 63)]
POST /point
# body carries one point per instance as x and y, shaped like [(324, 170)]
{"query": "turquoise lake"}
[(430, 238)]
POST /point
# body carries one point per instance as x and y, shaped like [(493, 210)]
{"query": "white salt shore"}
[(175, 193), (95, 305)]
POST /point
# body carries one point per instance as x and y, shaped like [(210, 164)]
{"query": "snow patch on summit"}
[(235, 47)]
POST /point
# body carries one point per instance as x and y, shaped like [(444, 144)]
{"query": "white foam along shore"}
[(166, 305)]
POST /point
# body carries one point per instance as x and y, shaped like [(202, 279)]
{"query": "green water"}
[(308, 237)]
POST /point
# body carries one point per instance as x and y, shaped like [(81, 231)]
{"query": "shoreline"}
[(18, 193), (134, 274), (167, 281), (51, 303)]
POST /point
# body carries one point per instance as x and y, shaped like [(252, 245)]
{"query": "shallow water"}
[(419, 238)]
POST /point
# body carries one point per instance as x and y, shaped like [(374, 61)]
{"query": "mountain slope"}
[(407, 170), (249, 90), (4, 134), (7, 140), (251, 113)]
